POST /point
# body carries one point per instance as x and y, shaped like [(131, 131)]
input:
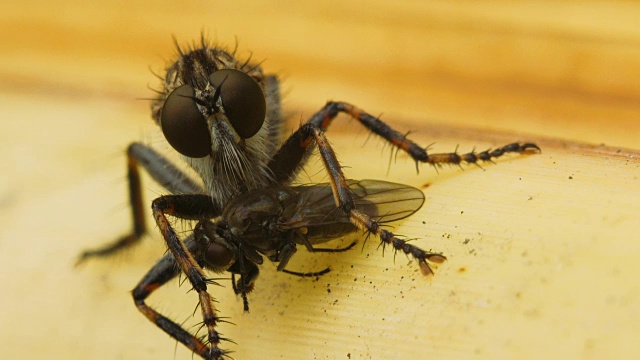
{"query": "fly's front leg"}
[(161, 170), (344, 201), (163, 271), (192, 207), (283, 164), (323, 118)]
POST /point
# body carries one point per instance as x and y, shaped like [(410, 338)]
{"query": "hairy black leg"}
[(163, 271), (365, 223), (290, 157), (343, 198), (162, 171), (194, 207), (325, 116), (362, 221)]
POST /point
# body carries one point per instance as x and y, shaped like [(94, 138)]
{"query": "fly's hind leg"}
[(162, 171)]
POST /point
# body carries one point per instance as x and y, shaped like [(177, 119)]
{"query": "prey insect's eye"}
[(183, 125), (219, 256), (243, 100)]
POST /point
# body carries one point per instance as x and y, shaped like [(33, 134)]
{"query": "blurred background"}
[(565, 69), (72, 73)]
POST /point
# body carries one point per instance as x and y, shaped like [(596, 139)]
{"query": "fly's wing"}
[(383, 201)]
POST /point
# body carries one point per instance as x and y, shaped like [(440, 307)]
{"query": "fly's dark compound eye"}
[(243, 100), (183, 125)]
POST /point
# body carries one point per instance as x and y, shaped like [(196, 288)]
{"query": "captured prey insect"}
[(223, 117), (273, 220)]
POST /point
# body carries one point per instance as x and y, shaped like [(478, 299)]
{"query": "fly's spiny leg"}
[(163, 271), (327, 114), (344, 199), (161, 170), (363, 222), (195, 207), (474, 157), (360, 219)]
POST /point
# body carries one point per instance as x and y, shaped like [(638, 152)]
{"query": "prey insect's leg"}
[(161, 170), (343, 198), (192, 207), (312, 249), (323, 119), (163, 271), (287, 251), (307, 274), (248, 274)]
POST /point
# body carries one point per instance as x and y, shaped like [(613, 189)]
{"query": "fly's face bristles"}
[(216, 112)]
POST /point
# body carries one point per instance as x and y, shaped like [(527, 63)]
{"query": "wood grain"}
[(542, 248)]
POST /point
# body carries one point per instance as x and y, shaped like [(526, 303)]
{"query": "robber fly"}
[(223, 117)]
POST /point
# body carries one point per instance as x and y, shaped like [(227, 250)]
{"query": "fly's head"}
[(213, 112)]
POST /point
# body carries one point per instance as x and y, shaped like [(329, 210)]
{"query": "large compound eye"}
[(242, 99), (183, 124)]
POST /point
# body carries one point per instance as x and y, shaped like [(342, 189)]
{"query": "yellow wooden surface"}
[(543, 249)]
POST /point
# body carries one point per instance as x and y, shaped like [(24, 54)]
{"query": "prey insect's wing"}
[(383, 201)]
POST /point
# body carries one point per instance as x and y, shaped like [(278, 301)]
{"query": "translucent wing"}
[(386, 201), (383, 201)]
